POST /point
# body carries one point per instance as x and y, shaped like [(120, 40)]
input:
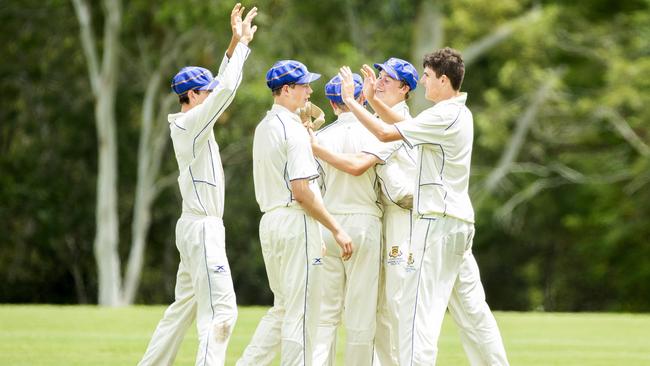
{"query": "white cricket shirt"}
[(443, 136), (201, 178), (281, 153), (397, 173), (344, 193)]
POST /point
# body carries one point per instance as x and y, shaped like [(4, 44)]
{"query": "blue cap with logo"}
[(333, 88), (193, 78), (402, 70), (289, 72)]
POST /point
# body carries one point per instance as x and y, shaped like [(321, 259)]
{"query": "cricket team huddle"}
[(367, 221)]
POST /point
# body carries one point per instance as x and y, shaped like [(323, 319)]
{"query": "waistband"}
[(439, 216), (395, 208), (192, 216), (295, 209)]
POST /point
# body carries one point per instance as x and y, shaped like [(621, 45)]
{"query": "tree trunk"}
[(103, 81), (153, 139), (107, 235), (428, 35)]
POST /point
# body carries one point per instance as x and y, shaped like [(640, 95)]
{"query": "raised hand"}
[(235, 21), (369, 81), (248, 29), (347, 84), (242, 30)]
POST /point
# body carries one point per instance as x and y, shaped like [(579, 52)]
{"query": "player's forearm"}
[(315, 208), (353, 164), (231, 47), (384, 111), (383, 131), (232, 73)]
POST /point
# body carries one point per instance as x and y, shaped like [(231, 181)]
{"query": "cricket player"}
[(397, 78), (204, 288), (396, 173), (349, 288), (442, 270), (284, 172)]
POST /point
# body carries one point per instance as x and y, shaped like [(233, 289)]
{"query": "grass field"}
[(92, 336)]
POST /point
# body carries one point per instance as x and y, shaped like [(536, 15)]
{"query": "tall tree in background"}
[(103, 77), (560, 164)]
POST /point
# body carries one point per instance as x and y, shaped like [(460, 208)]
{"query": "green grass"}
[(90, 336)]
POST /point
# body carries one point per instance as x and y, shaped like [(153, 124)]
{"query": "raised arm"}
[(242, 30), (204, 116), (383, 131)]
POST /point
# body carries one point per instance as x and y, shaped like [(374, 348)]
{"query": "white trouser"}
[(292, 249), (395, 250), (204, 290), (350, 291), (443, 272)]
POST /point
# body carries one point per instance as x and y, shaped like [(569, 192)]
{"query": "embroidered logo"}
[(410, 263), (394, 252), (220, 269), (318, 261), (394, 256)]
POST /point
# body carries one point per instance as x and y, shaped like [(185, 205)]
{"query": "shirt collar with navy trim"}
[(278, 109)]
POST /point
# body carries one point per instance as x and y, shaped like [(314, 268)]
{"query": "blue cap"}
[(402, 70), (333, 88), (193, 78), (289, 72)]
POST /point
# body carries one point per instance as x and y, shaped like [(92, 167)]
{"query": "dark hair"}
[(184, 98), (277, 91), (446, 61), (403, 83)]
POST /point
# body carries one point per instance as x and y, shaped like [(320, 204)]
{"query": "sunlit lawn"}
[(86, 335)]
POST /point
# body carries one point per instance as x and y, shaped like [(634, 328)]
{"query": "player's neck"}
[(286, 103)]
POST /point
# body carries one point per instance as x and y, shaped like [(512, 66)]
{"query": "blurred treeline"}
[(561, 168)]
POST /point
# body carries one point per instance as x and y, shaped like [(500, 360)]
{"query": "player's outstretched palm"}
[(369, 81), (243, 30), (347, 84), (248, 29), (235, 20)]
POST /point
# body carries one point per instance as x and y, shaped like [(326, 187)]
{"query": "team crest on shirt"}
[(220, 268), (410, 263), (394, 256), (318, 261)]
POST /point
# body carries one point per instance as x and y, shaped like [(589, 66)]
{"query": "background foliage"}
[(561, 169)]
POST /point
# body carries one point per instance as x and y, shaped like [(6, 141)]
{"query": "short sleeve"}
[(428, 127), (300, 159), (382, 150)]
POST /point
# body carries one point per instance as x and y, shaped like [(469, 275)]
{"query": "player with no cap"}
[(444, 270)]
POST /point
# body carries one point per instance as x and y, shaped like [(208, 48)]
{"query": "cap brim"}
[(308, 78), (213, 84), (389, 70)]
